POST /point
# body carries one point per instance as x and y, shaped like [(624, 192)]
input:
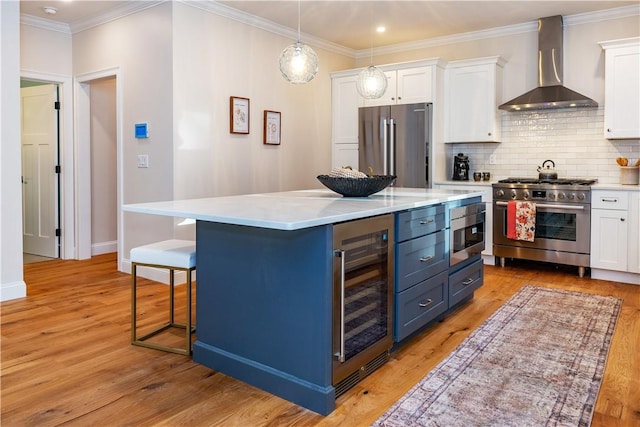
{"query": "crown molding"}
[(45, 24), (581, 18), (266, 25), (281, 30), (126, 9)]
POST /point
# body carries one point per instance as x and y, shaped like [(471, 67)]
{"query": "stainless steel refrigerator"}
[(394, 140)]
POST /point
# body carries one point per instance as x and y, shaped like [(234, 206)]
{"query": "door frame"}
[(82, 92), (65, 160)]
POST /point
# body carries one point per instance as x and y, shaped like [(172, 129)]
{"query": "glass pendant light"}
[(372, 82), (298, 62)]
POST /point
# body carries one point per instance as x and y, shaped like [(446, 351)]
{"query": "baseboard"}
[(14, 290), (104, 248), (615, 276)]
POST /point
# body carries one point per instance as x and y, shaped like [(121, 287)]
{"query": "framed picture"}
[(272, 127), (239, 114)]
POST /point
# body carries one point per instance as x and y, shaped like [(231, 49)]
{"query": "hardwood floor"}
[(66, 357)]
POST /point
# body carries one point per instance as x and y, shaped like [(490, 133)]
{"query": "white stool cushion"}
[(170, 253)]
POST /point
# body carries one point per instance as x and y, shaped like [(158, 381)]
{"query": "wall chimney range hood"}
[(550, 92)]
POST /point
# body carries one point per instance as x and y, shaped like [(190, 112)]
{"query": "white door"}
[(39, 131)]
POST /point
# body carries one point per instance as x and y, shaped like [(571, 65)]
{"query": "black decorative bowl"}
[(357, 187)]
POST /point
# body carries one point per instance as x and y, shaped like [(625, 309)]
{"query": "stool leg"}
[(133, 302), (171, 296), (188, 322)]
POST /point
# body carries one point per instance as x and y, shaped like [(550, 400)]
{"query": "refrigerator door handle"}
[(384, 130), (392, 147)]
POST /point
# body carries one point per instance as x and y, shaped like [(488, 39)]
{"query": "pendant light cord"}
[(298, 21), (371, 36)]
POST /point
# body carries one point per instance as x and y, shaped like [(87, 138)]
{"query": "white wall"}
[(11, 279), (215, 58)]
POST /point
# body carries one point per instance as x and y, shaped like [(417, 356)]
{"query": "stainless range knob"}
[(560, 196), (581, 196), (500, 193), (552, 196), (571, 196), (514, 194), (526, 194)]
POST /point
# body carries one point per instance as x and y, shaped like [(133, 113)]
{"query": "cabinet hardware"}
[(607, 200), (429, 221), (468, 282), (622, 219), (427, 303), (426, 258)]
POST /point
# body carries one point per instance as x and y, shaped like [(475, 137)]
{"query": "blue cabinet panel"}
[(420, 304), (418, 259), (419, 222), (465, 281), (264, 304)]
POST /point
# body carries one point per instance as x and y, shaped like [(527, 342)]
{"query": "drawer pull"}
[(607, 200), (426, 258), (468, 282), (429, 221), (426, 303)]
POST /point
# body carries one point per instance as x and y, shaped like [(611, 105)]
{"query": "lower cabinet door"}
[(462, 283), (418, 305)]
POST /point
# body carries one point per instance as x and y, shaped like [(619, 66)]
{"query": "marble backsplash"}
[(572, 138)]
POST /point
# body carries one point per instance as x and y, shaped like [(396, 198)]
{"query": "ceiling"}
[(350, 23)]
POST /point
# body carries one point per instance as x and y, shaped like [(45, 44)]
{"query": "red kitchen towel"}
[(511, 220), (521, 221)]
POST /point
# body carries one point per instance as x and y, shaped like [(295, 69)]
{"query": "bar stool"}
[(172, 255)]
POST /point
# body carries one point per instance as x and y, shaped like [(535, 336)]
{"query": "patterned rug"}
[(538, 360)]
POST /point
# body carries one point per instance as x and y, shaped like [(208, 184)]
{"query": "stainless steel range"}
[(563, 220)]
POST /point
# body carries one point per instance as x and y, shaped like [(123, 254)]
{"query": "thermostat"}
[(142, 130)]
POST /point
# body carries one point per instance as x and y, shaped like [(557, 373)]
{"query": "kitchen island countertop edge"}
[(294, 210)]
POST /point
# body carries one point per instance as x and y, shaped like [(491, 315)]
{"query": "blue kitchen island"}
[(264, 288)]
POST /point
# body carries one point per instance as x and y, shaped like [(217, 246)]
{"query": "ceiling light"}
[(50, 10), (372, 82), (298, 62)]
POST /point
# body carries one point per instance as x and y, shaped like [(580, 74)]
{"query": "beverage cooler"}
[(362, 298)]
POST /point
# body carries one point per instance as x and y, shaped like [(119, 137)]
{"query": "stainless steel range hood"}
[(550, 92)]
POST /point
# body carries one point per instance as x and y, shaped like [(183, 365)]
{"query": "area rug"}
[(538, 360)]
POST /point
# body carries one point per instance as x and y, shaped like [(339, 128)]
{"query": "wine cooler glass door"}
[(362, 292)]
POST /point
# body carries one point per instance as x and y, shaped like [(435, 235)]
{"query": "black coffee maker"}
[(461, 167)]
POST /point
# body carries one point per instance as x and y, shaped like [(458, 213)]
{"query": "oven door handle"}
[(542, 205)]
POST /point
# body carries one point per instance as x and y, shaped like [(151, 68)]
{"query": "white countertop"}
[(293, 210), (624, 187)]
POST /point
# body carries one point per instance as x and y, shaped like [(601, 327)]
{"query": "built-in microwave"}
[(467, 229)]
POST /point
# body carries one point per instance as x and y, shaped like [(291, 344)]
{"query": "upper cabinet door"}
[(622, 89), (389, 96), (345, 101), (473, 91), (406, 86)]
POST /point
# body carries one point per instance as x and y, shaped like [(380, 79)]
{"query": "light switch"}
[(143, 160)]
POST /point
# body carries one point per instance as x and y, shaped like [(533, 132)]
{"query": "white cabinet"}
[(487, 197), (622, 88), (615, 234), (345, 101), (405, 86), (473, 91)]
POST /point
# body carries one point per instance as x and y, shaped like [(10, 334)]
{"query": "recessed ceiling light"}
[(381, 29), (50, 10)]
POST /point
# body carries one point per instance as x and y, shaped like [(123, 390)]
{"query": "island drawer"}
[(463, 282), (420, 304), (421, 258), (419, 222)]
